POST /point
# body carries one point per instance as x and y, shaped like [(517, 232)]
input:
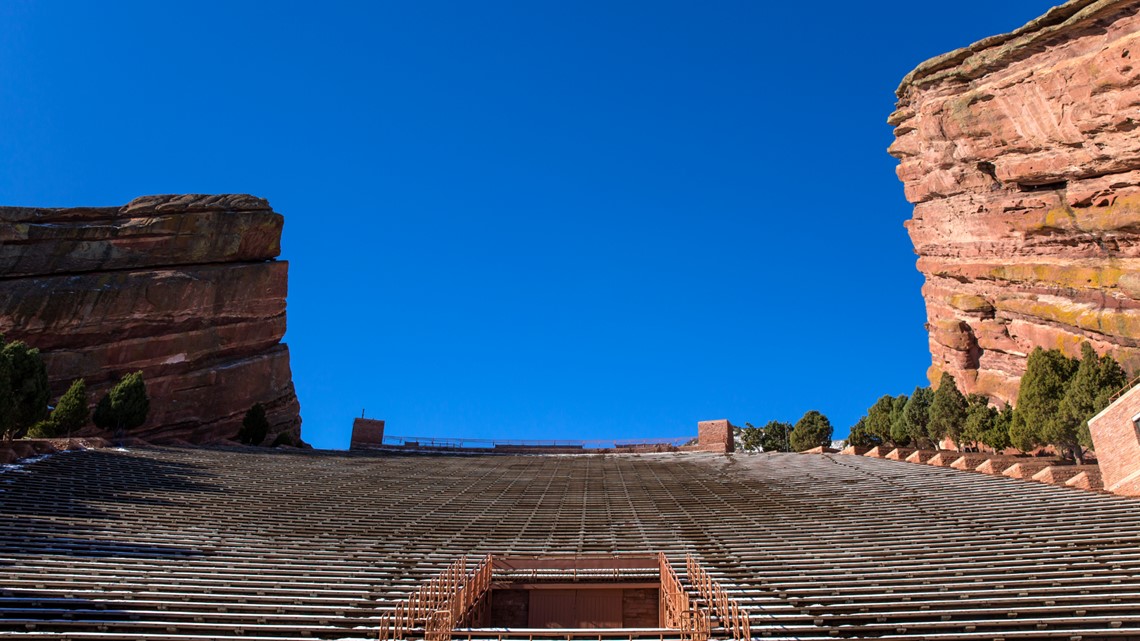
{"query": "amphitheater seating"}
[(240, 543)]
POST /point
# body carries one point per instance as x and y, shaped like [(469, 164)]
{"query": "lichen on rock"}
[(1021, 156)]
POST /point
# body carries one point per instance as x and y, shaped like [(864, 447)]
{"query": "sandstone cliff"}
[(184, 288), (1021, 154)]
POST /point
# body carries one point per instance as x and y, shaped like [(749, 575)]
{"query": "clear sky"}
[(522, 219)]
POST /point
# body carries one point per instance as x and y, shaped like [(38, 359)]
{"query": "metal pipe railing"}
[(728, 610)]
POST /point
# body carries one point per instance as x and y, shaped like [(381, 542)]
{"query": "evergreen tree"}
[(125, 407), (1021, 435), (29, 386), (916, 414), (980, 418), (899, 434), (997, 437), (1043, 386), (947, 412), (254, 426), (749, 437), (860, 436), (1097, 378), (878, 420), (812, 430), (70, 414), (776, 437), (7, 398)]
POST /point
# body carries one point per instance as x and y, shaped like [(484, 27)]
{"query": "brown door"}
[(598, 608), (552, 609), (575, 609)]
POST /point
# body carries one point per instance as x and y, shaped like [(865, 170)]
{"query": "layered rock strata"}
[(185, 288), (1021, 154)]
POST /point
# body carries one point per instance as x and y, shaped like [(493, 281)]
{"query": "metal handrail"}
[(481, 443), (728, 610), (1122, 391), (679, 611), (454, 591)]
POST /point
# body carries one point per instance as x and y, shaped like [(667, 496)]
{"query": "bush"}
[(254, 426), (43, 429)]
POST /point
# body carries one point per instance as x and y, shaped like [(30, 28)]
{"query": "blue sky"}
[(522, 219)]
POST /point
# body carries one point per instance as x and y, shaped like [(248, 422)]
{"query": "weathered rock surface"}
[(184, 288), (1021, 154)]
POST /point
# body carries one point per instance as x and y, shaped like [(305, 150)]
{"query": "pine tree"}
[(899, 435), (1043, 386), (947, 412), (70, 414), (254, 426), (997, 437), (878, 422), (29, 386), (1021, 435), (980, 418), (811, 431), (749, 437), (125, 407), (7, 398), (1097, 378), (860, 436), (916, 414), (776, 437)]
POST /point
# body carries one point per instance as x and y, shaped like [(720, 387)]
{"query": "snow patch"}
[(23, 463)]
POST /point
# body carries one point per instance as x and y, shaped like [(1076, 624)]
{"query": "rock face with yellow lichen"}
[(1021, 154), (184, 288)]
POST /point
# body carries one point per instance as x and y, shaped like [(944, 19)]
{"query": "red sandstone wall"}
[(1117, 442), (184, 288), (1021, 156)]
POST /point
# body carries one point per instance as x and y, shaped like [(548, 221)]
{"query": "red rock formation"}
[(1021, 154), (184, 288)]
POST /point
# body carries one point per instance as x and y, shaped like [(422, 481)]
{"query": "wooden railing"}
[(439, 604), (732, 617), (678, 610)]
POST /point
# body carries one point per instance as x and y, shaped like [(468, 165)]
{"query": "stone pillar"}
[(1116, 439), (367, 433), (715, 436)]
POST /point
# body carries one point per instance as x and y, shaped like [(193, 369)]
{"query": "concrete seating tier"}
[(169, 543)]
